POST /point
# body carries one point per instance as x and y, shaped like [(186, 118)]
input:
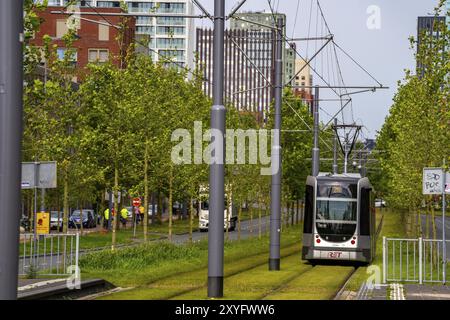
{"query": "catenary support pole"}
[(275, 204), (315, 154), (444, 243), (216, 173), (335, 165), (11, 86)]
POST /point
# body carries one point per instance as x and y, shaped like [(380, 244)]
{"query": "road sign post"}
[(435, 183)]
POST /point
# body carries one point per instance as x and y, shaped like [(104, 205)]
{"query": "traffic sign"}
[(433, 181), (43, 223), (41, 175), (136, 202)]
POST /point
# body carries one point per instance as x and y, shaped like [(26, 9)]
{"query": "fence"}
[(414, 260), (50, 254)]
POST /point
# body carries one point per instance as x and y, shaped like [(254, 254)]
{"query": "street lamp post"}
[(11, 85)]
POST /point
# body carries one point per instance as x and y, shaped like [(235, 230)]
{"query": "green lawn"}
[(131, 268), (94, 240)]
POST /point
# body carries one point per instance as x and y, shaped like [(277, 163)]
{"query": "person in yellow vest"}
[(124, 216), (106, 218)]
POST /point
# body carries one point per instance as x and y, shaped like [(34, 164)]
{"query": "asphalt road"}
[(438, 221)]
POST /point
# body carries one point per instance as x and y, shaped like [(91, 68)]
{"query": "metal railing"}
[(50, 254), (414, 260)]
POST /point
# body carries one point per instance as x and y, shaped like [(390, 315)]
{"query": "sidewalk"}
[(396, 291)]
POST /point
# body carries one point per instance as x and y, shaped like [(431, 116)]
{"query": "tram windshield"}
[(336, 217), (336, 214)]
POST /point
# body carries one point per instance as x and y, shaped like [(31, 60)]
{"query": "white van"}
[(203, 215)]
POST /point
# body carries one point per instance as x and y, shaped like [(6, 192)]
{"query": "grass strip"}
[(318, 283)]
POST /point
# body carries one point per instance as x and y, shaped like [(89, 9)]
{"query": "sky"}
[(383, 49)]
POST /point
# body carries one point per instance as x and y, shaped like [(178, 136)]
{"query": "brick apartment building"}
[(97, 34)]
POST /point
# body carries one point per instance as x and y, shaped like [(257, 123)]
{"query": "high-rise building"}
[(249, 67), (303, 81), (243, 21), (171, 37), (428, 26), (447, 13)]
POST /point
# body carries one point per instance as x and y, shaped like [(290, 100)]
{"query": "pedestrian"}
[(106, 218), (124, 216)]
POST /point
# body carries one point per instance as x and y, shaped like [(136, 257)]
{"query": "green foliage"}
[(415, 134)]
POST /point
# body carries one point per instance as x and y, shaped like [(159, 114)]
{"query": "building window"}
[(103, 32), (61, 53), (107, 4), (170, 21), (98, 55), (177, 31), (303, 78), (61, 28)]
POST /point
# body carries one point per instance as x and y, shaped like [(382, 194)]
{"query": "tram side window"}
[(309, 208), (364, 212)]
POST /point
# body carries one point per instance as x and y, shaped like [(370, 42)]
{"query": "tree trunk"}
[(145, 218), (160, 208), (81, 219), (239, 221), (259, 218), (170, 202), (228, 215), (250, 209), (191, 218), (116, 207), (66, 202)]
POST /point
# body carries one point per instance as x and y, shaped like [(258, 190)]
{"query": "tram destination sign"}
[(435, 180)]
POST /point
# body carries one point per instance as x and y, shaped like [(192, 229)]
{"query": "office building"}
[(169, 38), (249, 67), (262, 19)]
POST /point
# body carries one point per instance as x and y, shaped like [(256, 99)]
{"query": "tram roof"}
[(343, 176)]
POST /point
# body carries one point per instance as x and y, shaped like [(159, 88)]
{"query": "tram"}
[(339, 220)]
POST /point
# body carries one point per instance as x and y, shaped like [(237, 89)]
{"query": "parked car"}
[(380, 203), (25, 223), (150, 210), (56, 220), (89, 219)]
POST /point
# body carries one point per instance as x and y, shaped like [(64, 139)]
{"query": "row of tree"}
[(112, 130), (416, 133)]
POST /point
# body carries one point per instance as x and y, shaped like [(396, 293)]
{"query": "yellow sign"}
[(43, 223)]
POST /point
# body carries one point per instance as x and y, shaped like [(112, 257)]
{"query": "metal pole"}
[(384, 260), (36, 185), (335, 165), (42, 199), (11, 83), (315, 155), (444, 245), (420, 260), (110, 206), (275, 204), (345, 156), (216, 174)]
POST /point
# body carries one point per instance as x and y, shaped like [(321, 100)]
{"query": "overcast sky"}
[(385, 52)]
